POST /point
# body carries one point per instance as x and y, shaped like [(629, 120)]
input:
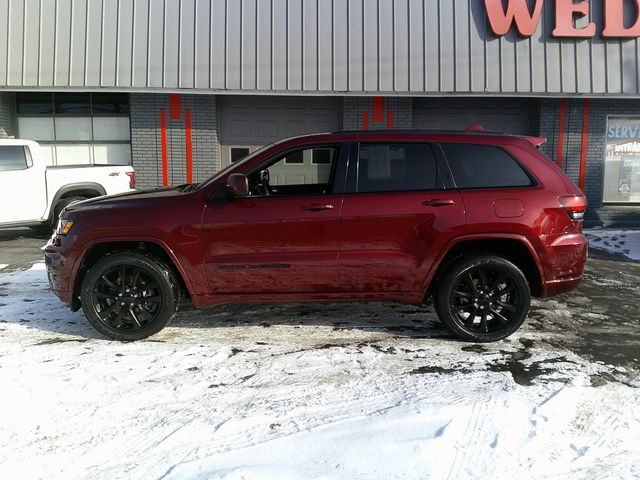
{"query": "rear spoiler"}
[(535, 141)]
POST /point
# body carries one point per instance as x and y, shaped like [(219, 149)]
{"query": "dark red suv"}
[(479, 221)]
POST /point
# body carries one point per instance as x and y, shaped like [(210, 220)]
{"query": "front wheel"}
[(129, 296), (483, 298)]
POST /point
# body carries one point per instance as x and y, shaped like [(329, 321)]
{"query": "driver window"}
[(306, 171)]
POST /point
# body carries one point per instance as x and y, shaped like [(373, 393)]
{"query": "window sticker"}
[(378, 162)]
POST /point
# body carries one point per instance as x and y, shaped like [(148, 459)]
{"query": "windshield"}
[(232, 166)]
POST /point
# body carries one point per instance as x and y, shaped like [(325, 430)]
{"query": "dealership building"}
[(181, 88)]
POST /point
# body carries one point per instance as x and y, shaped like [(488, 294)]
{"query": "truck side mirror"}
[(238, 185)]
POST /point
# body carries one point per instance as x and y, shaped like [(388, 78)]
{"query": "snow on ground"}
[(299, 392), (2, 265), (625, 242)]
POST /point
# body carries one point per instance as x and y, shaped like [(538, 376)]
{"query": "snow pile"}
[(299, 392), (625, 242)]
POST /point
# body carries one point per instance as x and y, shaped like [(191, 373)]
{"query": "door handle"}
[(316, 207), (438, 202)]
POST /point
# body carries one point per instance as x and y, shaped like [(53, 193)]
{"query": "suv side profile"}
[(478, 221)]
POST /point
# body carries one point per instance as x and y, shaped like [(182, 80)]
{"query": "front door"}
[(283, 237), (23, 193), (396, 218)]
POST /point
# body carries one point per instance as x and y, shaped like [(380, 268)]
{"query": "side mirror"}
[(238, 185)]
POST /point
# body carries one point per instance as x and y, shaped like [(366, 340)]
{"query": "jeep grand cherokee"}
[(480, 222)]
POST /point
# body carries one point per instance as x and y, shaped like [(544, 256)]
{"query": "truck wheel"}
[(483, 299), (128, 296), (61, 205)]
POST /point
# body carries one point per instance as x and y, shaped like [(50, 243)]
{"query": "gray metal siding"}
[(288, 46)]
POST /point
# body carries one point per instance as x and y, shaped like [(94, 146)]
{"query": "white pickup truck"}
[(33, 195)]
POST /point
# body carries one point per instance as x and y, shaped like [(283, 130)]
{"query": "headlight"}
[(64, 226)]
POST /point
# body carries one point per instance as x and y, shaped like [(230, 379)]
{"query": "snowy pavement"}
[(624, 242), (323, 391)]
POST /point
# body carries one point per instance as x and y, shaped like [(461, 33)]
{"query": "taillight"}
[(575, 205), (132, 179)]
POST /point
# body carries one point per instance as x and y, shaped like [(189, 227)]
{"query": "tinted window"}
[(481, 166), (110, 103), (12, 158), (392, 167), (72, 103), (34, 103)]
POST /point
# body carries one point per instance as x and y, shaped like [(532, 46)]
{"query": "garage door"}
[(506, 115), (247, 123)]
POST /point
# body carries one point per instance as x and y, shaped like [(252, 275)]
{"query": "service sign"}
[(571, 19), (622, 166)]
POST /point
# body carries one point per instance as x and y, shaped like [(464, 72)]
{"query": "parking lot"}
[(302, 391)]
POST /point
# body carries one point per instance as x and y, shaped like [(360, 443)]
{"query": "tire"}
[(129, 296), (488, 288), (61, 205)]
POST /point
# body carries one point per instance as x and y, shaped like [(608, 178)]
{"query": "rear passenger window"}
[(12, 158), (393, 167), (482, 166)]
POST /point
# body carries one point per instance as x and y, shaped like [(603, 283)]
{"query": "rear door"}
[(23, 190), (396, 216)]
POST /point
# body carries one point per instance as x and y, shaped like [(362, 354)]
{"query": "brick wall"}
[(146, 143), (549, 113), (354, 107), (8, 112)]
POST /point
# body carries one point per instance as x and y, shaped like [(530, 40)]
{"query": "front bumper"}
[(59, 269)]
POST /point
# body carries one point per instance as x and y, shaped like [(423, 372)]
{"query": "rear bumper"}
[(566, 256)]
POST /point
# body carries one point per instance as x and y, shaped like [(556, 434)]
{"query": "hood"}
[(126, 199)]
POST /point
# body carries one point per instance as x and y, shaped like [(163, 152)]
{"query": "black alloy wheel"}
[(129, 296), (483, 299)]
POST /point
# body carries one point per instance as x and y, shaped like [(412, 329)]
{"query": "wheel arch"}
[(154, 247), (517, 249), (83, 189)]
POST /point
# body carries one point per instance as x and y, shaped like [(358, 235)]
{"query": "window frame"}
[(354, 167), (534, 181)]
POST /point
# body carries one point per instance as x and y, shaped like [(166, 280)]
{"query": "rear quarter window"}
[(12, 157), (484, 166)]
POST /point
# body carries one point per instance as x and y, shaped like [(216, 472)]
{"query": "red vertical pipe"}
[(586, 106), (365, 120), (378, 107), (389, 119), (563, 111), (189, 146), (163, 144)]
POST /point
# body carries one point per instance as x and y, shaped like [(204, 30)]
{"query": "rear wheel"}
[(483, 298), (129, 296)]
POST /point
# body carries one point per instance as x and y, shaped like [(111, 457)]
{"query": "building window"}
[(77, 128), (622, 162), (322, 156), (238, 153)]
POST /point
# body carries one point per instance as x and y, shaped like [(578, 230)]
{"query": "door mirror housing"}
[(238, 185)]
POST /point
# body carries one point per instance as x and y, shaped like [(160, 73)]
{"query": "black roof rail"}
[(419, 131)]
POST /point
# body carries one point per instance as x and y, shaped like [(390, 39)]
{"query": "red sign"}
[(518, 14)]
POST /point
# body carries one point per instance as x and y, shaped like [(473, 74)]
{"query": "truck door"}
[(23, 191)]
